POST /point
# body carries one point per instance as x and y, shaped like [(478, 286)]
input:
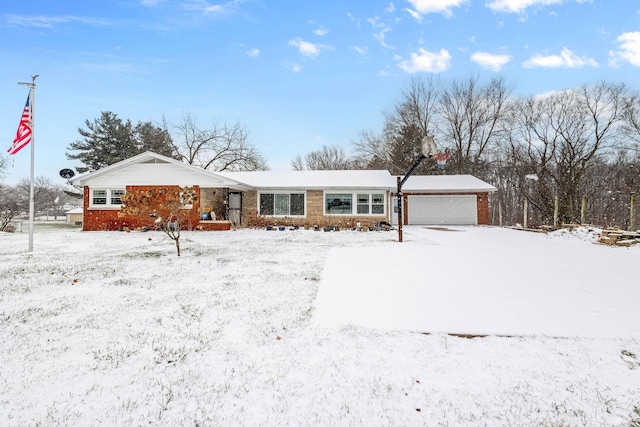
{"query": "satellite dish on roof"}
[(67, 173)]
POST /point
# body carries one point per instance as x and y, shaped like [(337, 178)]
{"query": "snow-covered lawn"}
[(111, 328)]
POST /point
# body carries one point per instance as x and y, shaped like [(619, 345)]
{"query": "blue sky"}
[(296, 74)]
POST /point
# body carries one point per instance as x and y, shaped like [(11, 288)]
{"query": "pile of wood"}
[(615, 236)]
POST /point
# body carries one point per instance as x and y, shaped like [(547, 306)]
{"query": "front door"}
[(235, 208)]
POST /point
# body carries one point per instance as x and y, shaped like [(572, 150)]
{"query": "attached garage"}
[(445, 200), (442, 209)]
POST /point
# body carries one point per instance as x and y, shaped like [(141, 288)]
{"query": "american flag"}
[(23, 136)]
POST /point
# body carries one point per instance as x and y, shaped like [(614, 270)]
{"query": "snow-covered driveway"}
[(485, 281)]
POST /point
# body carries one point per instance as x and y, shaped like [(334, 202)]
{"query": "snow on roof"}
[(307, 179), (446, 184), (327, 179), (314, 179), (74, 211), (172, 172)]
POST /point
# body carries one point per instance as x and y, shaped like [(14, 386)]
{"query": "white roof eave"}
[(86, 178)]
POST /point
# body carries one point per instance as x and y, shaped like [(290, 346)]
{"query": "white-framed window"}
[(106, 197), (377, 203), (281, 204), (116, 195), (341, 203), (338, 203), (364, 205)]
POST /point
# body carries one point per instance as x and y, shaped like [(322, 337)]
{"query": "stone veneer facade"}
[(314, 214)]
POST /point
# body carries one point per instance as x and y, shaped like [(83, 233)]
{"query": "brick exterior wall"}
[(483, 208), (97, 219)]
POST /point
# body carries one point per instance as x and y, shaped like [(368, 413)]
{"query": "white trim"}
[(108, 197), (354, 202), (173, 172)]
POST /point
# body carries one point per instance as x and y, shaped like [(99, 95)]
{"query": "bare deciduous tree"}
[(44, 193), (568, 144), (609, 186), (405, 125), (327, 158), (11, 206), (220, 148), (471, 115), (563, 135), (163, 208), (631, 127), (3, 164)]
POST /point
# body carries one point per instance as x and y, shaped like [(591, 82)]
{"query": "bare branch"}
[(222, 147)]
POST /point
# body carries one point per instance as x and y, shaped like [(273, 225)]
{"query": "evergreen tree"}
[(109, 139), (153, 138)]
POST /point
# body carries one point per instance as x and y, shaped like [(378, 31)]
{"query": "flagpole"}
[(32, 96)]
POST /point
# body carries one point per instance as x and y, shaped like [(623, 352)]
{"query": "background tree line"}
[(50, 200), (569, 144)]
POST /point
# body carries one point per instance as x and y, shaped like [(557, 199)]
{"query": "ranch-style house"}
[(328, 198)]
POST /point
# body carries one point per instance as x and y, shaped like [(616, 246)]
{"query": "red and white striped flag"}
[(23, 136)]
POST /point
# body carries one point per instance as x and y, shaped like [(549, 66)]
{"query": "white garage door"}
[(452, 210)]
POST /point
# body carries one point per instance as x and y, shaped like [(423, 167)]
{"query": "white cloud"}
[(320, 31), (390, 8), (566, 59), (254, 53), (629, 50), (383, 30), (203, 6), (425, 61), (424, 7), (296, 68), (353, 19), (414, 14), (52, 21), (361, 50), (490, 60), (519, 6), (149, 3), (306, 48)]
